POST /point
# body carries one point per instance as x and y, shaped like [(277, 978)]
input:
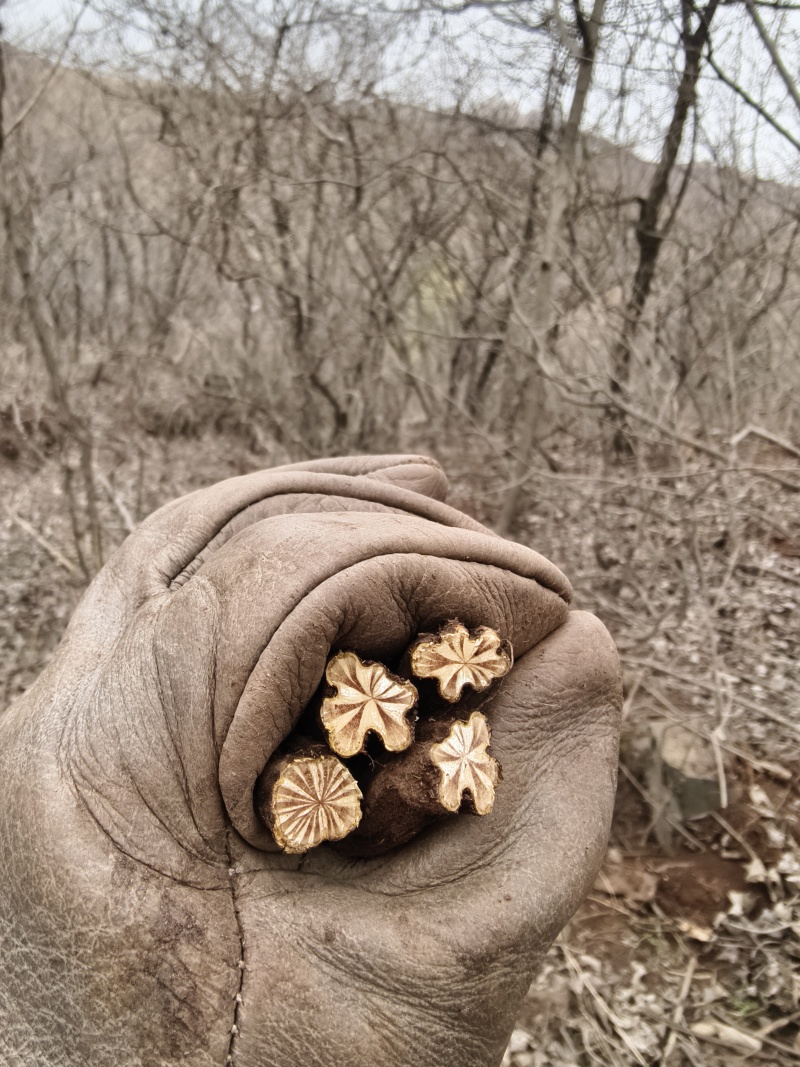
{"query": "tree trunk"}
[(2, 88), (70, 421), (522, 259), (544, 312), (649, 234)]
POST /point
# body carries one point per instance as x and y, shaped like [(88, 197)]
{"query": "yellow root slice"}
[(367, 698), (457, 657), (314, 799), (465, 766)]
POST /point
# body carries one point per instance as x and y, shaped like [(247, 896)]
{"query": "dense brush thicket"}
[(324, 274)]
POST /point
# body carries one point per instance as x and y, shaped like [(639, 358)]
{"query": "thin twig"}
[(751, 102), (773, 439), (42, 542), (648, 798), (56, 67), (114, 497), (605, 1010), (677, 716), (793, 1052), (774, 54), (692, 442), (726, 826), (677, 1015), (748, 705), (749, 568)]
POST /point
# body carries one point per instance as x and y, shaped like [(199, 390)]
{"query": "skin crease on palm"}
[(145, 916)]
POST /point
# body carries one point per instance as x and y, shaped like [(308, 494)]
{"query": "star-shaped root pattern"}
[(465, 766), (457, 658), (315, 799), (366, 698)]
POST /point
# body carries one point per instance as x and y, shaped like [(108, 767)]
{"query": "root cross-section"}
[(366, 698), (465, 766), (313, 799), (457, 657)]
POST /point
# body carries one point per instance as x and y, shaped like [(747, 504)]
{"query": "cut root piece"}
[(308, 799), (365, 698), (447, 770), (457, 657), (466, 769)]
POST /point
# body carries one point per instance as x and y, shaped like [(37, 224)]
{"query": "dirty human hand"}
[(146, 919)]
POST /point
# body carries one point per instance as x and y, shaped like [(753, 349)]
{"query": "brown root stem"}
[(447, 770)]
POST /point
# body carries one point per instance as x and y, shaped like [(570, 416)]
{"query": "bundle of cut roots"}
[(380, 755)]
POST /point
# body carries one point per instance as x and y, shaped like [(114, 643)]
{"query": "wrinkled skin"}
[(145, 918)]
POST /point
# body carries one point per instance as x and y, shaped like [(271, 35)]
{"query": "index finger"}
[(171, 544)]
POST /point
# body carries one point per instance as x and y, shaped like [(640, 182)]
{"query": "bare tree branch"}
[(774, 55), (54, 69), (561, 192), (751, 102)]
